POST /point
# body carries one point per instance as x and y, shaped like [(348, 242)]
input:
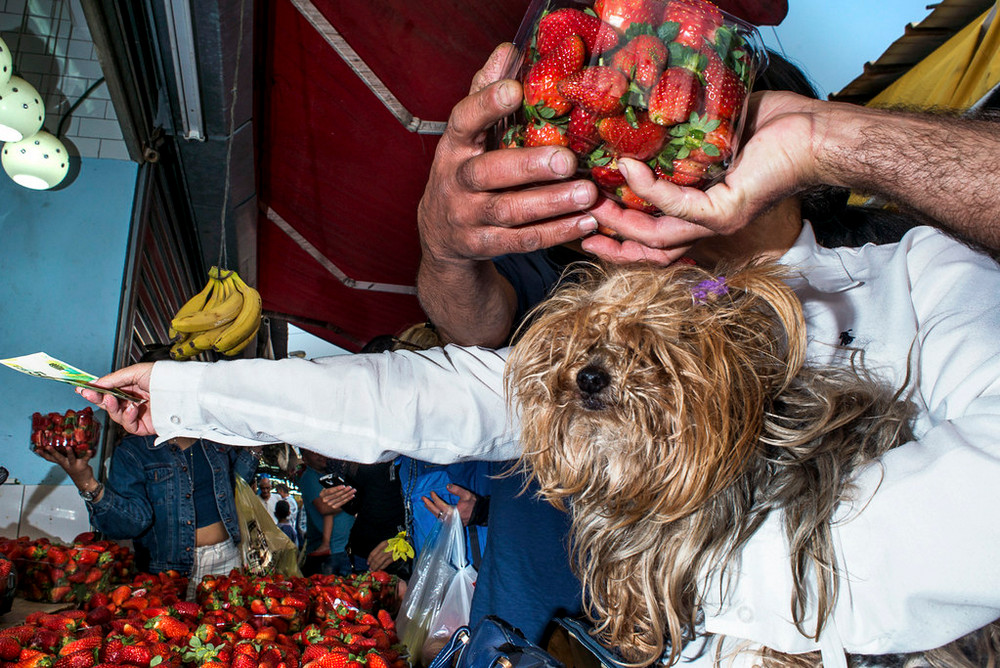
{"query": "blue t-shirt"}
[(525, 577)]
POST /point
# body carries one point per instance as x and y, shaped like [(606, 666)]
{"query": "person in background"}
[(372, 493), (267, 495), (293, 507), (327, 529), (283, 513), (174, 500)]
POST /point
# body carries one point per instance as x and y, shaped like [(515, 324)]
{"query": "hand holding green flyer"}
[(42, 365)]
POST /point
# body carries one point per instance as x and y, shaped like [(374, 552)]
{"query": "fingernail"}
[(581, 194), (507, 94), (587, 224), (560, 163), (623, 169)]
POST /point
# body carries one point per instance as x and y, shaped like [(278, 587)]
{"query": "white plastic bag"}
[(439, 594)]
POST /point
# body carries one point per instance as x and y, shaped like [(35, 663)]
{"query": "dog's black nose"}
[(592, 379)]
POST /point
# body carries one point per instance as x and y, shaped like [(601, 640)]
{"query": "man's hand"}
[(379, 559), (136, 418), (777, 160), (333, 499), (480, 204), (466, 503)]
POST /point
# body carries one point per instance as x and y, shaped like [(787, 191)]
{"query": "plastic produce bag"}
[(266, 549), (439, 596)]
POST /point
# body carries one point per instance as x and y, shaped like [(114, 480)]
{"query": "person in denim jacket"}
[(174, 500)]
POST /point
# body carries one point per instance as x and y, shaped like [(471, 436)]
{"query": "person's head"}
[(282, 511), (265, 486), (282, 489), (314, 460)]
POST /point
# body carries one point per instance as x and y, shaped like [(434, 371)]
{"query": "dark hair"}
[(155, 352), (379, 344), (834, 221), (282, 510)]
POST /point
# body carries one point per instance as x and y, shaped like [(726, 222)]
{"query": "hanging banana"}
[(224, 317)]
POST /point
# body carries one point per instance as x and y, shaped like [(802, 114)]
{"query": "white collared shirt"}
[(917, 547)]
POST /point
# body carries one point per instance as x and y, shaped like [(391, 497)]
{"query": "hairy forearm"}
[(469, 302), (943, 167)]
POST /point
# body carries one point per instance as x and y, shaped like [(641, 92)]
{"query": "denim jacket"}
[(149, 497)]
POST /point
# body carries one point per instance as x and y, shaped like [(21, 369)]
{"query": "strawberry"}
[(244, 661), (582, 131), (716, 145), (376, 660), (386, 620), (331, 660), (553, 28), (623, 13), (58, 594), (10, 648), (696, 22), (597, 89), (633, 201), (139, 654), (607, 176), (540, 82), (23, 633), (640, 139), (76, 660), (541, 133), (81, 645), (724, 91), (168, 627), (642, 59), (37, 661), (683, 172), (674, 96)]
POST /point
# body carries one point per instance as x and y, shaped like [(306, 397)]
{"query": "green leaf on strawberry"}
[(667, 31), (636, 29)]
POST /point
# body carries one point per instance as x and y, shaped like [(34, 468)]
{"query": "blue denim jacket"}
[(149, 497)]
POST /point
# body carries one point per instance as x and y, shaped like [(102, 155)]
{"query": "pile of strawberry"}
[(662, 81), (56, 573), (147, 623), (72, 430)]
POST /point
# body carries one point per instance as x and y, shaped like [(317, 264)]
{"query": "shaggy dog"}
[(671, 411)]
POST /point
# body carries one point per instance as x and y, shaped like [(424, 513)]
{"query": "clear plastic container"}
[(662, 81)]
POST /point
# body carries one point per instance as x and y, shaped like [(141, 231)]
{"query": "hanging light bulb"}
[(38, 162), (21, 110), (6, 63)]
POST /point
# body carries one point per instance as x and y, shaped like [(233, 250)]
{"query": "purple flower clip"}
[(714, 287)]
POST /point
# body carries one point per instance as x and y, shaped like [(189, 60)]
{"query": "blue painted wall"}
[(62, 258)]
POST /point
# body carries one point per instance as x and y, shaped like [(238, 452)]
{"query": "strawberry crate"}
[(661, 81), (54, 573)]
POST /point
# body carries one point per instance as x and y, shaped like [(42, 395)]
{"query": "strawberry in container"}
[(661, 81), (73, 430)]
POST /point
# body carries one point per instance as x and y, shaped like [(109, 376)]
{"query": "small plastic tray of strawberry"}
[(76, 430), (54, 573), (661, 81)]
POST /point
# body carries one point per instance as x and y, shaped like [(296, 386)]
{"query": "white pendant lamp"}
[(6, 63), (21, 110), (38, 162)]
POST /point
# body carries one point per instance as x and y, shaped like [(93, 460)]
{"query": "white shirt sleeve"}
[(441, 405), (917, 546)]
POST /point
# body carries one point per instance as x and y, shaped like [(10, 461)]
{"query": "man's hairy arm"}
[(943, 167)]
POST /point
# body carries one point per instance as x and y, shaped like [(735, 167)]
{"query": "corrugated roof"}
[(918, 41)]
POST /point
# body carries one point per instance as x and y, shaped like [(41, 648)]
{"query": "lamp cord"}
[(73, 107), (223, 253)]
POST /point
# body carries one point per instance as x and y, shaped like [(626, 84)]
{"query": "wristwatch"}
[(92, 495)]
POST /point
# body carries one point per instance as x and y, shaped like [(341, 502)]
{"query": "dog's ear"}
[(764, 282)]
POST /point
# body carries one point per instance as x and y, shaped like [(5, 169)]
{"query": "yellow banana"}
[(206, 339), (244, 325), (184, 349), (244, 343), (214, 314), (194, 304)]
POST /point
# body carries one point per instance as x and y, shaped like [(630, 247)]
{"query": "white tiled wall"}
[(55, 54), (42, 511)]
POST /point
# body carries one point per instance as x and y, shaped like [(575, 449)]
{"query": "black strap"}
[(477, 553)]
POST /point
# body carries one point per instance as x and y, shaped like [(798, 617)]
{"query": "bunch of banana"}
[(224, 317)]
